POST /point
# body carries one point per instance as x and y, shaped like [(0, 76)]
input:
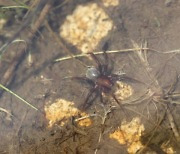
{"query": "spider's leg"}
[(124, 77), (83, 79), (88, 102), (117, 101), (97, 61), (106, 63), (107, 66)]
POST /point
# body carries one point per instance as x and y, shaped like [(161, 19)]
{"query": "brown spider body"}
[(101, 79), (104, 83)]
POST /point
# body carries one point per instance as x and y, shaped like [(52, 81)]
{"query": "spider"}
[(101, 79)]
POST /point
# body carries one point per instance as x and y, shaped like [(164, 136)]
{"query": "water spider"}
[(101, 79)]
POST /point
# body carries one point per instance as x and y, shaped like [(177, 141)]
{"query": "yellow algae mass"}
[(129, 133), (122, 90), (86, 27), (61, 110), (108, 3), (167, 149)]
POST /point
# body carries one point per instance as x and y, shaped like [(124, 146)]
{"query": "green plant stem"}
[(17, 96)]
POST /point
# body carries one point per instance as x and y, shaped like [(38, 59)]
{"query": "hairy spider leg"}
[(93, 90), (97, 62), (102, 67), (117, 101), (124, 77), (107, 66), (106, 63), (85, 79), (88, 102)]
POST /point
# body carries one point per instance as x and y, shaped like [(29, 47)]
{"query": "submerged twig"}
[(6, 111), (172, 124), (103, 118), (9, 74), (24, 25), (97, 53), (117, 51), (158, 94)]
